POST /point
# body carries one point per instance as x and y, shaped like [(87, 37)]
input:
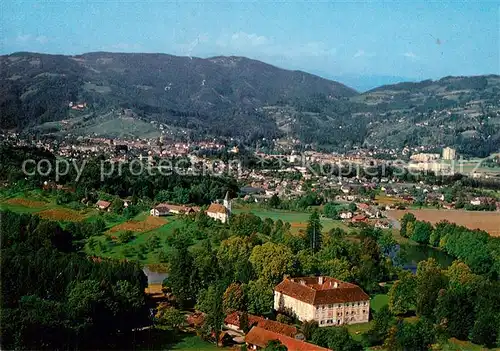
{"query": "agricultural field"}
[(297, 220), (472, 166), (487, 221), (143, 226), (61, 214), (24, 205), (387, 200), (140, 224), (35, 202)]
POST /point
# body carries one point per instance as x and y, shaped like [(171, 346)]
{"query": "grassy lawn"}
[(455, 344), (357, 330), (378, 301), (195, 343)]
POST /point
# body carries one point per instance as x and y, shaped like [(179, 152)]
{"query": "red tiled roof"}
[(261, 337), (102, 203), (308, 289), (216, 208), (196, 319), (234, 319), (358, 218), (363, 206), (179, 208), (277, 327)]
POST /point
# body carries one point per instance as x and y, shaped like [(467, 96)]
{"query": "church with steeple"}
[(220, 212)]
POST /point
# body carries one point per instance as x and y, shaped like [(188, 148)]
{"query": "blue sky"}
[(356, 42)]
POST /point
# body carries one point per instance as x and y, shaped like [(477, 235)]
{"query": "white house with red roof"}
[(220, 212), (327, 300)]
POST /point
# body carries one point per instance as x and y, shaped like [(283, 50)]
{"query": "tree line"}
[(480, 251)]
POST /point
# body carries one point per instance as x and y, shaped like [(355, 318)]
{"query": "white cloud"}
[(359, 53), (251, 39), (127, 46), (42, 39), (243, 40), (363, 53), (313, 48), (410, 54), (23, 38), (252, 44)]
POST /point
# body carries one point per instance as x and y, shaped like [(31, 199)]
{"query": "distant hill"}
[(463, 112), (146, 95), (217, 95)]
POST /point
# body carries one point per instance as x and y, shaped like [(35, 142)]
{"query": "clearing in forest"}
[(26, 203), (61, 214), (149, 223)]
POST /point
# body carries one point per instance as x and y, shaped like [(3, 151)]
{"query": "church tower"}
[(227, 202)]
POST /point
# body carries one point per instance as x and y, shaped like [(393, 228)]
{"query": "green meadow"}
[(298, 220)]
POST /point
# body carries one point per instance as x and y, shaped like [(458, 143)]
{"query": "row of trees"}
[(476, 248)]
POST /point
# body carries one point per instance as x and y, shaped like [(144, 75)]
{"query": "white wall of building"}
[(325, 315)]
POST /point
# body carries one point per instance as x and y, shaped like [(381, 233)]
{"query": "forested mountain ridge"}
[(217, 95), (463, 112), (144, 95)]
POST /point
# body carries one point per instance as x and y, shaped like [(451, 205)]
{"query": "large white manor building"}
[(328, 301)]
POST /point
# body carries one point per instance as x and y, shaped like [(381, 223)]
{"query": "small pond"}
[(408, 256), (154, 277)]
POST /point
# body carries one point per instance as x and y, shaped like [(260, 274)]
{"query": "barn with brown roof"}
[(258, 338), (327, 300), (232, 321)]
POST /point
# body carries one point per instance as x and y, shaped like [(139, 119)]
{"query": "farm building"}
[(345, 215), (258, 338), (359, 218), (232, 321), (103, 205), (165, 209)]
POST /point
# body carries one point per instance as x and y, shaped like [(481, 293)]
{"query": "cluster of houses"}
[(326, 300), (77, 106), (218, 211)]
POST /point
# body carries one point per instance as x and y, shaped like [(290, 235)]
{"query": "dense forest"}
[(54, 298), (175, 187)]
